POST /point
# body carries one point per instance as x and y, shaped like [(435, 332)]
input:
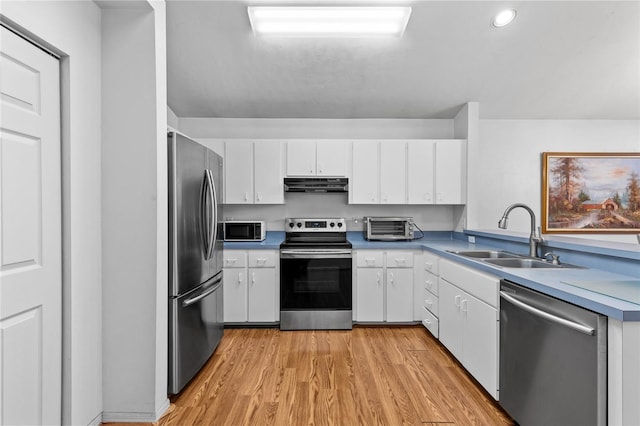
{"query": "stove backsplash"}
[(428, 218)]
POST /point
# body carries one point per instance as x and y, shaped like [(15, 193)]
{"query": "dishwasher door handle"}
[(546, 315)]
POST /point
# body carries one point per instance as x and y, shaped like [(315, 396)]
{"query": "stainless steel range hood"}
[(316, 184)]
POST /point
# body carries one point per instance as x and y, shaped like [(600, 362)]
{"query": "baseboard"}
[(135, 417), (96, 421)]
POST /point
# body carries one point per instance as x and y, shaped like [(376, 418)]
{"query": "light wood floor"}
[(367, 376)]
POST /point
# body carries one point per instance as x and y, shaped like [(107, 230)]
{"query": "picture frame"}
[(591, 192)]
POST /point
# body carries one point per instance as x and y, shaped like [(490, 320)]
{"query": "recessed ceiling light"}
[(504, 18), (328, 21)]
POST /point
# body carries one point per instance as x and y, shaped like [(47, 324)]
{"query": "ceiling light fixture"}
[(348, 21), (504, 18)]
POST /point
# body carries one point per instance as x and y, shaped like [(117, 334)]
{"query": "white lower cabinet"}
[(384, 286), (250, 290), (468, 326), (370, 295)]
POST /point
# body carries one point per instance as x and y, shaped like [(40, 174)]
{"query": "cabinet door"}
[(450, 172), (393, 172), (364, 184), (301, 158), (238, 169), (369, 294), (450, 320), (399, 295), (262, 294), (480, 342), (420, 172), (235, 294), (331, 158), (268, 173)]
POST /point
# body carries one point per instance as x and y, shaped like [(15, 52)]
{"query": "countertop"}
[(549, 281)]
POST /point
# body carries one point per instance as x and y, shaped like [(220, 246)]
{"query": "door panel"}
[(30, 234), (189, 267)]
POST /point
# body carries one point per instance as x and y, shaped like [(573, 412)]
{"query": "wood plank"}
[(366, 376)]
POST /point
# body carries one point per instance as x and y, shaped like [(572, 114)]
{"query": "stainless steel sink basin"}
[(527, 263), (486, 254)]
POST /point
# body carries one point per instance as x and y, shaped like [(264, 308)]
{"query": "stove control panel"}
[(315, 225)]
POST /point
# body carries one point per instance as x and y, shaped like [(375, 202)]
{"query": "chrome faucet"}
[(534, 238)]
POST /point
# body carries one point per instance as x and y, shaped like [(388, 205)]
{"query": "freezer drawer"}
[(195, 328)]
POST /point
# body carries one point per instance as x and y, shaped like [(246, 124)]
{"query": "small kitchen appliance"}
[(315, 275), (388, 228), (244, 230)]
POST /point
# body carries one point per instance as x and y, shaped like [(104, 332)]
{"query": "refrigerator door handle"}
[(546, 315), (203, 214), (213, 230), (201, 296)]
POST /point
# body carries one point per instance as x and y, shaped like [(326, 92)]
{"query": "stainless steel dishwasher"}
[(553, 360)]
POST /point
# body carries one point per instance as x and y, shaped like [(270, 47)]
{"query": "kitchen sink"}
[(527, 263), (486, 254)]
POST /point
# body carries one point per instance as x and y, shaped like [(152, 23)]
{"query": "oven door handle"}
[(314, 254)]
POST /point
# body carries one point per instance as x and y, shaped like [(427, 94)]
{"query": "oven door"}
[(312, 280)]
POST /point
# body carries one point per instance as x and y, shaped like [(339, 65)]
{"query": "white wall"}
[(505, 165), (172, 118), (134, 212), (73, 30), (315, 128)]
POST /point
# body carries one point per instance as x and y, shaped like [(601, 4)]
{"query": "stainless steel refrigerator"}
[(195, 263)]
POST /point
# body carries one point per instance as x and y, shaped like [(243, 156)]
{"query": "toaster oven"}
[(388, 228)]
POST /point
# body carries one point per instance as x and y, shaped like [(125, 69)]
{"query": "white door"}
[(234, 294), (369, 294), (331, 158), (30, 235), (450, 165), (420, 172), (301, 158), (393, 172), (364, 185), (262, 295), (268, 173), (238, 168), (399, 295)]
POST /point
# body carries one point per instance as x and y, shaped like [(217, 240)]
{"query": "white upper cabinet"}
[(451, 177), (393, 172), (317, 158), (436, 171), (253, 172), (420, 172), (301, 158), (364, 182), (379, 173), (238, 169), (268, 185)]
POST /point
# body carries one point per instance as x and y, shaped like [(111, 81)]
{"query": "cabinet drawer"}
[(234, 259), (430, 262), (431, 283), (430, 302), (262, 259), (430, 322), (399, 259), (369, 259)]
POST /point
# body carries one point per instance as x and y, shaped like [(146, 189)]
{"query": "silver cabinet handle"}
[(546, 315), (199, 297)]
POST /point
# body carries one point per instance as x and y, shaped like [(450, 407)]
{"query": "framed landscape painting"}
[(590, 192)]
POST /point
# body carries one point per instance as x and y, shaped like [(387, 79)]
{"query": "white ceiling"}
[(564, 60)]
